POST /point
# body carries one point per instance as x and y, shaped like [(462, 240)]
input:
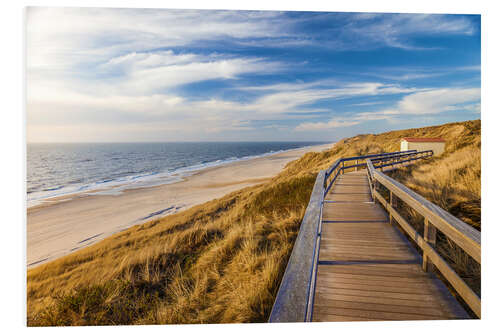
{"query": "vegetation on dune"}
[(222, 261)]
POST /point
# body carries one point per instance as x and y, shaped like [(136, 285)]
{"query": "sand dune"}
[(68, 223)]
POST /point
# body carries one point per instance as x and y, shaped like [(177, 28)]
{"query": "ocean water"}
[(108, 168)]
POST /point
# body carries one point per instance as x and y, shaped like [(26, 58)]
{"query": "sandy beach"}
[(68, 223)]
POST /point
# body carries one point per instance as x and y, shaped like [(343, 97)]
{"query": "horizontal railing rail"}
[(364, 157), (398, 157), (395, 159), (466, 237)]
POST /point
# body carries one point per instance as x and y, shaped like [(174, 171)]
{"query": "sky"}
[(139, 75)]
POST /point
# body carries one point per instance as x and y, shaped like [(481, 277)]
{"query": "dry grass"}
[(222, 261)]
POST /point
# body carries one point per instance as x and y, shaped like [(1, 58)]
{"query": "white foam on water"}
[(117, 186)]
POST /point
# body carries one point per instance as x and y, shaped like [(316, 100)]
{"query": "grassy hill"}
[(222, 261)]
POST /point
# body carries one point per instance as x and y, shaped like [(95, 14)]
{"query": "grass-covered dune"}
[(222, 261)]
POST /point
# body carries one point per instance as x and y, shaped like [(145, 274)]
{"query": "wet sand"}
[(66, 224)]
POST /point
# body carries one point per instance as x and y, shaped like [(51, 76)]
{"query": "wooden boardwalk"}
[(367, 270)]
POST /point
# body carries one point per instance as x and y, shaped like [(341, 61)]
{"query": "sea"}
[(58, 169)]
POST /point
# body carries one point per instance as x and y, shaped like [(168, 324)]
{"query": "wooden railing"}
[(339, 166), (466, 237), (293, 301)]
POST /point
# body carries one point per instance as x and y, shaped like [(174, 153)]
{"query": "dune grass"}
[(222, 261)]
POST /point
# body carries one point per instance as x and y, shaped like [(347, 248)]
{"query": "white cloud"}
[(426, 102), (368, 103), (162, 77), (437, 100), (396, 30), (290, 97), (321, 126), (475, 107), (143, 60), (61, 37)]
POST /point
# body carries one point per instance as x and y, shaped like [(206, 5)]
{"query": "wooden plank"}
[(385, 240), (351, 181), (386, 247), (331, 253), (371, 314), (348, 245), (353, 257), (410, 289), (352, 211), (362, 188), (385, 271), (429, 304), (353, 227), (376, 293), (363, 253), (328, 317), (361, 242), (349, 197), (376, 278), (374, 282), (362, 231), (407, 309), (364, 234), (347, 225), (352, 176)]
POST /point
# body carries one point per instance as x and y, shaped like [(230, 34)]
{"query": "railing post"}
[(391, 202), (343, 167), (356, 168), (374, 181), (430, 238)]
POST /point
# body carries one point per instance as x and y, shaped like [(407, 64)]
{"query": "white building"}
[(420, 144)]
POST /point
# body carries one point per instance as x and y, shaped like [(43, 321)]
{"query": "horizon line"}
[(215, 141)]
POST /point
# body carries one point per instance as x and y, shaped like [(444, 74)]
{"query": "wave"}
[(117, 185), (54, 188)]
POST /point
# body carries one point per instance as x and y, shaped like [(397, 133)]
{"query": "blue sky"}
[(109, 75)]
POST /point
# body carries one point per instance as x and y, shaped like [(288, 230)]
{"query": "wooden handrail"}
[(363, 157), (466, 237), (292, 301)]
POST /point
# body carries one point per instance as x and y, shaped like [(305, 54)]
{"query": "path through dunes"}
[(367, 270)]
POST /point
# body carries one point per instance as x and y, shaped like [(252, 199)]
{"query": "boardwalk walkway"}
[(367, 269)]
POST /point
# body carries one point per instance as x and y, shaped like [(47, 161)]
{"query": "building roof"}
[(423, 139)]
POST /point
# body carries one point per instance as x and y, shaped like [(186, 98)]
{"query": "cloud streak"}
[(396, 30), (426, 102)]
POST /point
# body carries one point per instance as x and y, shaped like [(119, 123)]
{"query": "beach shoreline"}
[(67, 223)]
